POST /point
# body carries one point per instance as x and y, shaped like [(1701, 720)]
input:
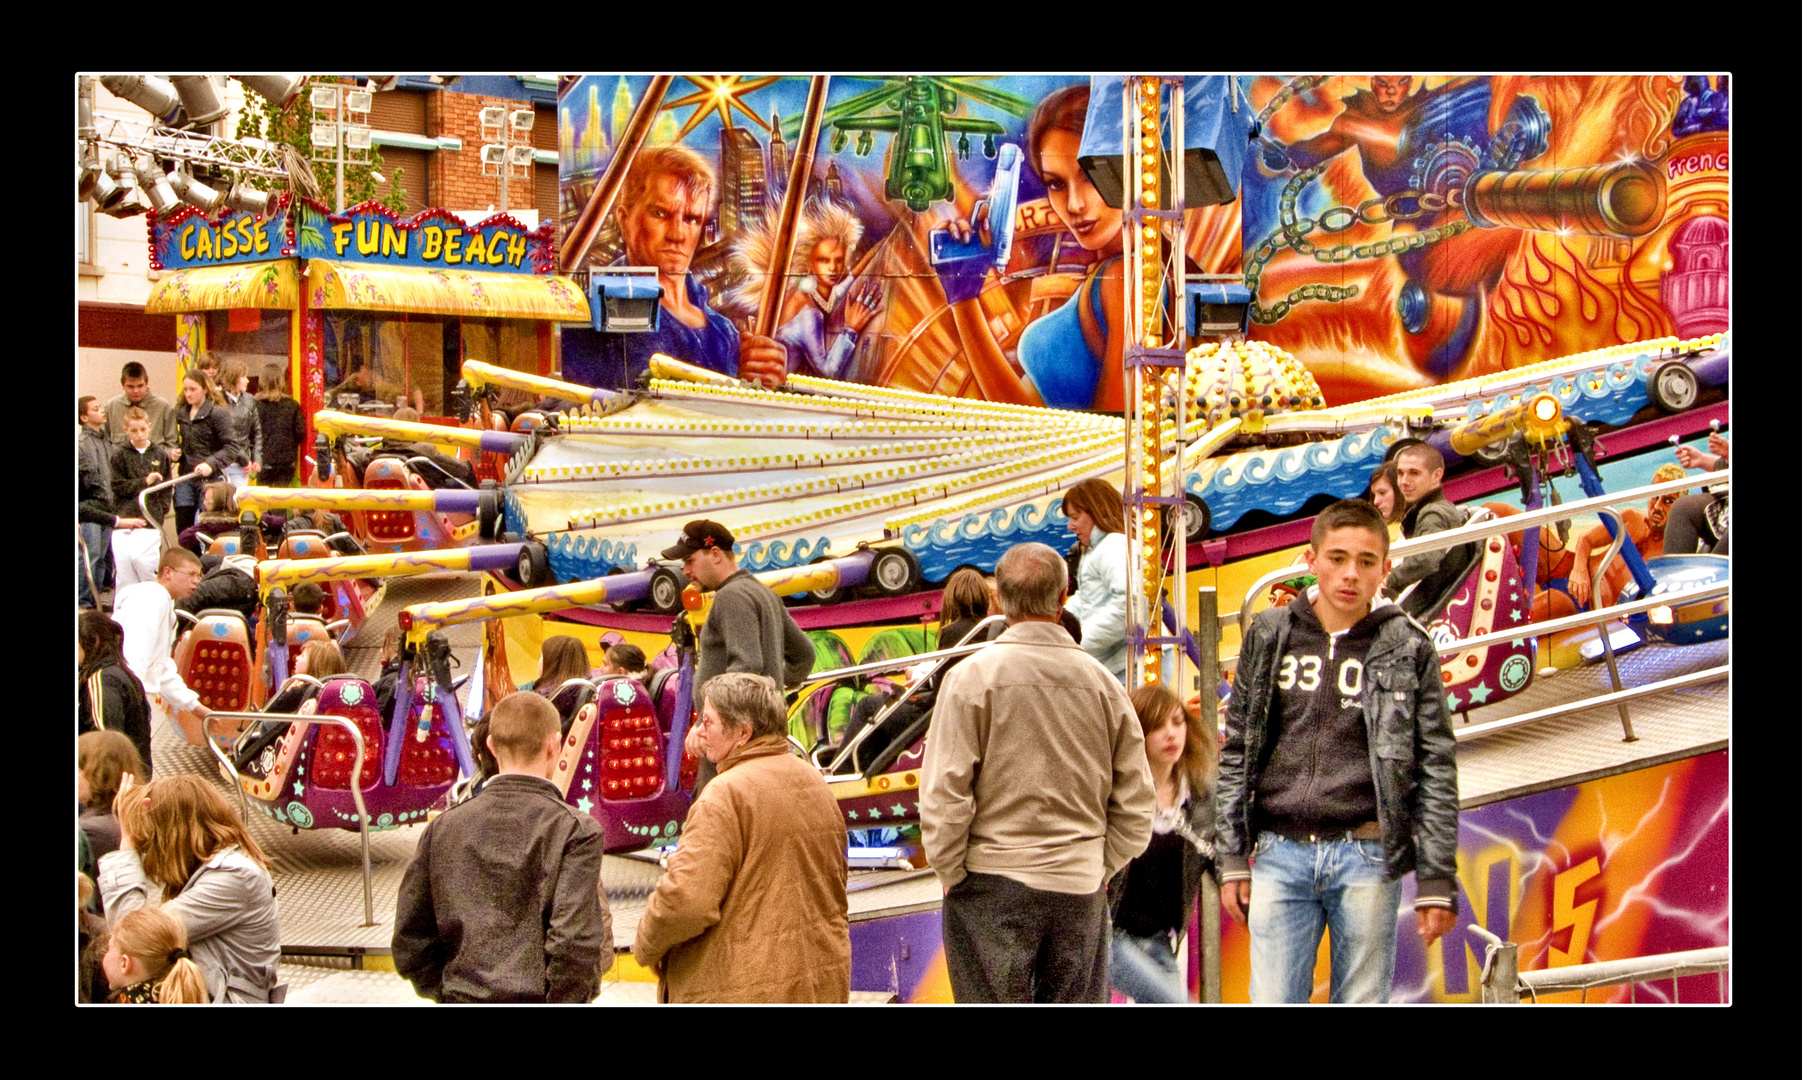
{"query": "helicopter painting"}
[(919, 172)]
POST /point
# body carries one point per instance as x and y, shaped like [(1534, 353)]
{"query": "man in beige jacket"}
[(752, 905), (1034, 791)]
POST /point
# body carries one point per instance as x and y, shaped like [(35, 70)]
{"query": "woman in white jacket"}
[(1097, 517)]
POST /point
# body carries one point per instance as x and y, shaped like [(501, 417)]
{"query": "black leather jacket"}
[(1197, 831), (1412, 752)]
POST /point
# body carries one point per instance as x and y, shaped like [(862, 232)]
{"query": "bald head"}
[(1033, 581)]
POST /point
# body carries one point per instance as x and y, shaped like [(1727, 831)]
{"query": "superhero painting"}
[(1396, 231)]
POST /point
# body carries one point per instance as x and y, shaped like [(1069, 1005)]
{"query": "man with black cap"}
[(747, 628)]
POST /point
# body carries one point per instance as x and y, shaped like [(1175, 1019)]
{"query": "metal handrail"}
[(876, 667), (1676, 682), (356, 778), (1586, 977), (857, 740), (417, 461), (144, 505), (1504, 525)]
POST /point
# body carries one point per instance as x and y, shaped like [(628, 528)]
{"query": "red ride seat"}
[(306, 629), (215, 660), (334, 751), (389, 526)]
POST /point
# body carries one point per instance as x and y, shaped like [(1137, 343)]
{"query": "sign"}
[(188, 238), (368, 233)]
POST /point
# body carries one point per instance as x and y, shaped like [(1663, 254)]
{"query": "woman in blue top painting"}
[(1073, 356)]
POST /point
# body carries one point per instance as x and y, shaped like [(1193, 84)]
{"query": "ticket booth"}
[(366, 310)]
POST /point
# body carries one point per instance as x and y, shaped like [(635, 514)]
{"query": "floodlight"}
[(356, 137), (193, 192), (523, 119), (325, 134), (358, 101), (325, 97), (1216, 128), (156, 185), (246, 198), (155, 96), (200, 98), (493, 116), (279, 90)]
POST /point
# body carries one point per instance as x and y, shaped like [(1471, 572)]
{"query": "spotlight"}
[(155, 96), (200, 98), (279, 90), (155, 184), (248, 199), (193, 192), (1216, 127)]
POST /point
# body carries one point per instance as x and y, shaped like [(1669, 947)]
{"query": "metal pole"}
[(600, 204), (1207, 622), (782, 241)]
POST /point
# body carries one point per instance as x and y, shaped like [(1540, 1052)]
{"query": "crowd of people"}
[(1069, 823), (218, 435)]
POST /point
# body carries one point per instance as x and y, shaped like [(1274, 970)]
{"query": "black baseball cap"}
[(697, 535)]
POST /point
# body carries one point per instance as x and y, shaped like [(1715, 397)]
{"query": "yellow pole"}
[(261, 499), (334, 424)]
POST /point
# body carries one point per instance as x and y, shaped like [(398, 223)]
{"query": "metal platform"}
[(1587, 744)]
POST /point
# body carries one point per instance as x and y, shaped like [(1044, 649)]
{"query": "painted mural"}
[(1626, 866), (1397, 231)]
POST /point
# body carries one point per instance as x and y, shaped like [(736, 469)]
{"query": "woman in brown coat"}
[(752, 906)]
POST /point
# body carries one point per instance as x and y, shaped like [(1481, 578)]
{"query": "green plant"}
[(293, 127)]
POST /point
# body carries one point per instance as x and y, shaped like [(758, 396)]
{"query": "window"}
[(402, 353), (256, 336)]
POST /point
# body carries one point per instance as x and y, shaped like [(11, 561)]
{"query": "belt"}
[(1369, 830)]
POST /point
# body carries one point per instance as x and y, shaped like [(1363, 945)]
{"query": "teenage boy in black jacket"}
[(1337, 775)]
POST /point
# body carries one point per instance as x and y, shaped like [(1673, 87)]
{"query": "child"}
[(503, 899), (1338, 775), (138, 465), (625, 659), (147, 963)]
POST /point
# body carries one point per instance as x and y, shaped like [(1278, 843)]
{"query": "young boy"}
[(503, 900), (1338, 763), (138, 465)]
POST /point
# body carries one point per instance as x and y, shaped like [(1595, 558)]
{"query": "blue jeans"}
[(1144, 969), (1299, 889), (94, 536)]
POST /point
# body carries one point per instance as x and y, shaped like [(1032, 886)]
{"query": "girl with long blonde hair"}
[(180, 834)]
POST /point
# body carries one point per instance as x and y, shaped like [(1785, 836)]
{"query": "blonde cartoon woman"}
[(827, 310)]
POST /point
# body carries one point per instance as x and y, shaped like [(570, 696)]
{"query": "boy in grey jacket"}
[(503, 901)]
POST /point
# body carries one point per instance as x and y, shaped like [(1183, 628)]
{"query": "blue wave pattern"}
[(761, 555), (979, 539), (583, 558), (1621, 394), (1280, 481)]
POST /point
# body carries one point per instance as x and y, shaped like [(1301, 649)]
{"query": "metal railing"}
[(356, 782), (1505, 984), (849, 750), (1482, 530)]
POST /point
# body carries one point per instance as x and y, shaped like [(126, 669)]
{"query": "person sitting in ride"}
[(319, 660), (1073, 356), (625, 659)]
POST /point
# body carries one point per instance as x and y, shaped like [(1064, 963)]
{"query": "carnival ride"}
[(838, 489)]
